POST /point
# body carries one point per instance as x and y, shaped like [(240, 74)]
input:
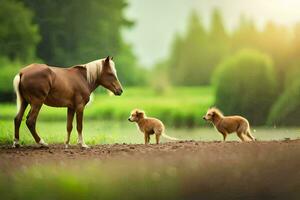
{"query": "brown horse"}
[(39, 84)]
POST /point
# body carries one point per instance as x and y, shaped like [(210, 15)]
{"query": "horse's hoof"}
[(43, 144), (66, 146), (84, 146), (16, 145)]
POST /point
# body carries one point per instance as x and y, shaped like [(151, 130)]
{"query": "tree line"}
[(254, 71), (195, 54), (65, 33)]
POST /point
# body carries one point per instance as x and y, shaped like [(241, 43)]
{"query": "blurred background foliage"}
[(250, 71)]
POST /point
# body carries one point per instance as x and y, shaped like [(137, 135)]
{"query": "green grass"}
[(106, 118), (103, 132), (182, 106)]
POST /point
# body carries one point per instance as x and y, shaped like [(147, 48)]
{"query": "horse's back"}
[(35, 72), (36, 80)]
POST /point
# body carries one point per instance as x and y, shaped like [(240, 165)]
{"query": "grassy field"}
[(181, 109), (179, 106), (107, 132), (182, 170)]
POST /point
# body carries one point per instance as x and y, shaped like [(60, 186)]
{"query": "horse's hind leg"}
[(31, 123), (17, 122), (79, 118), (69, 125)]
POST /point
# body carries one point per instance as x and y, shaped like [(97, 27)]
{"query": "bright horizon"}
[(158, 21)]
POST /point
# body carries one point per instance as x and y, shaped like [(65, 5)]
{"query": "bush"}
[(286, 110), (246, 85), (8, 71)]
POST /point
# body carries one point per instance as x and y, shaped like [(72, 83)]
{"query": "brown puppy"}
[(229, 124), (149, 126)]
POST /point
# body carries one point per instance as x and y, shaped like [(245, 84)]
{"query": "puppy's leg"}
[(224, 136), (241, 136), (157, 137), (146, 138), (250, 135)]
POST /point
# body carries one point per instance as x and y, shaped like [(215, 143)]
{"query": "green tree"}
[(219, 43), (79, 31), (173, 60), (286, 110), (18, 35), (190, 55), (276, 42), (129, 72), (194, 56), (245, 35), (76, 31)]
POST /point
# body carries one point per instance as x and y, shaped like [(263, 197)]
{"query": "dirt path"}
[(211, 170), (57, 152)]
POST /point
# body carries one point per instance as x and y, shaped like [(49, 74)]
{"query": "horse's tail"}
[(16, 82)]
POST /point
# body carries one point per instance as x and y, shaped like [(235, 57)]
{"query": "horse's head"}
[(109, 78)]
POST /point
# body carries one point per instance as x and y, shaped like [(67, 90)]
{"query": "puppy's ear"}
[(141, 113), (213, 113)]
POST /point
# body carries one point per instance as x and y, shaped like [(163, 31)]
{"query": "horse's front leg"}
[(79, 118), (70, 118)]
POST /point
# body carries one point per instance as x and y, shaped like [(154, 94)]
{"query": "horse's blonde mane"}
[(217, 111), (94, 68)]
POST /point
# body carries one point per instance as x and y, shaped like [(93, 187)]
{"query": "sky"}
[(157, 21)]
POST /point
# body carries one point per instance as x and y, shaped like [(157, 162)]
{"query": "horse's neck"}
[(93, 70), (82, 71)]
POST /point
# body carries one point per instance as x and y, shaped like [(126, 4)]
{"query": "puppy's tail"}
[(169, 138)]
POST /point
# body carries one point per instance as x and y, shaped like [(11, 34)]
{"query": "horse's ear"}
[(107, 59), (112, 58)]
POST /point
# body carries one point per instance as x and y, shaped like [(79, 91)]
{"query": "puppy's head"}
[(211, 114), (136, 115)]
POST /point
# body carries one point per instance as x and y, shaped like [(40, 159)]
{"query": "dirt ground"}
[(210, 170), (57, 152)]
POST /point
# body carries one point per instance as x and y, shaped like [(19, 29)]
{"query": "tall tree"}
[(174, 58), (245, 35), (18, 35), (190, 55), (77, 31), (219, 43)]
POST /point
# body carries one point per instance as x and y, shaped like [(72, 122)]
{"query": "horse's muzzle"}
[(119, 92)]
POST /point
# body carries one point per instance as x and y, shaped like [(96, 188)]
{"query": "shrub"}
[(286, 110), (8, 71), (245, 84)]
